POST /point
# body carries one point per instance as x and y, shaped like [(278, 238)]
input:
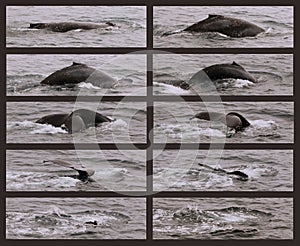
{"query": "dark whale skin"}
[(69, 26), (77, 73), (228, 26), (228, 71), (76, 121)]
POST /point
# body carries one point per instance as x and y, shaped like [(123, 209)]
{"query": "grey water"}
[(75, 218), (179, 170), (271, 122), (25, 72), (277, 21), (273, 72), (128, 125), (223, 218), (129, 31), (115, 170)]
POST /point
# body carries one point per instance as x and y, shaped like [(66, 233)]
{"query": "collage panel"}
[(76, 75), (223, 170), (223, 27), (75, 218), (223, 74), (223, 218), (244, 192), (75, 170), (224, 122), (76, 26), (76, 122)]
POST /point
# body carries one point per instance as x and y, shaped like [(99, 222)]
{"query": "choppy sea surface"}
[(179, 170), (223, 218), (115, 170), (25, 72), (277, 21), (273, 74), (75, 218), (271, 122), (129, 31), (128, 125)]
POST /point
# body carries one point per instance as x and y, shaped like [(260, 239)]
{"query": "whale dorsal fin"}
[(214, 16), (236, 64), (77, 63)]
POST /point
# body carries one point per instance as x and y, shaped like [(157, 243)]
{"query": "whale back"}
[(69, 26), (231, 27), (211, 116), (228, 71), (37, 25), (90, 118), (56, 120), (77, 73), (245, 122)]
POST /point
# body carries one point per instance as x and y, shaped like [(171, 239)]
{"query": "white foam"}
[(21, 125), (88, 86), (269, 30), (263, 124), (188, 131), (242, 83), (119, 123), (171, 89), (47, 129)]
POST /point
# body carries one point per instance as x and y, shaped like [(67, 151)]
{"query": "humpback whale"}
[(236, 174), (171, 80), (79, 72), (228, 71), (229, 26), (68, 26), (76, 121), (232, 120), (214, 72), (83, 173)]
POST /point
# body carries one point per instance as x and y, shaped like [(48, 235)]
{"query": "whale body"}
[(228, 26), (69, 26), (77, 73), (232, 120), (76, 121), (83, 173), (215, 72), (228, 71)]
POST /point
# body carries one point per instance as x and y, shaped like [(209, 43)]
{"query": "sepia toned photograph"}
[(223, 26), (76, 122), (223, 218), (148, 123), (75, 26), (224, 122), (223, 74), (223, 170), (76, 170), (76, 75), (75, 218)]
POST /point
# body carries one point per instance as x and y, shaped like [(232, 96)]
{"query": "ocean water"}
[(271, 122), (223, 218), (75, 218), (129, 31), (179, 170), (24, 75), (128, 125), (277, 21), (115, 170), (274, 74)]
